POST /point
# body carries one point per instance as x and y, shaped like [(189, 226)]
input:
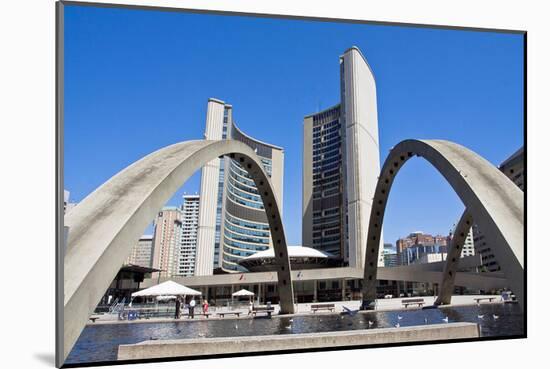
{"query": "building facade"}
[(341, 166), (232, 220), (514, 168), (187, 247), (390, 256), (142, 252), (468, 249), (166, 238), (417, 246)]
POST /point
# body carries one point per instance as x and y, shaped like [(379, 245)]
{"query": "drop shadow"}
[(46, 358)]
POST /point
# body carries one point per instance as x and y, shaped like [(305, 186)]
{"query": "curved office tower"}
[(341, 166), (232, 219)]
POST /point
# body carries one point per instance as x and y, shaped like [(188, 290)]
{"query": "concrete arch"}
[(453, 256), (106, 224), (490, 198)]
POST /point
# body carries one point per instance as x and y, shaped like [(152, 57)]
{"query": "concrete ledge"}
[(231, 345)]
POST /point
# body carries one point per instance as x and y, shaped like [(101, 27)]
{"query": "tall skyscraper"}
[(166, 238), (514, 168), (187, 247), (341, 166), (142, 252), (232, 220)]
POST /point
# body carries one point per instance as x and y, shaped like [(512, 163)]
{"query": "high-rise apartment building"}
[(514, 168), (142, 252), (187, 247), (341, 164), (167, 235), (232, 220)]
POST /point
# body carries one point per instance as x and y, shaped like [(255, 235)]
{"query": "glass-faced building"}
[(232, 220), (341, 166)]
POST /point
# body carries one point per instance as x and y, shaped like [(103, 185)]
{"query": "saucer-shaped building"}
[(300, 258)]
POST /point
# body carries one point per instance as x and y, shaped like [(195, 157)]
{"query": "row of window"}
[(243, 187), (326, 193), (328, 143), (326, 212), (327, 166), (244, 223), (326, 160), (326, 149), (325, 175), (229, 251), (330, 114), (244, 199), (241, 245), (240, 177), (238, 200), (318, 132), (326, 240), (329, 137), (235, 236), (327, 155), (327, 185), (246, 231), (326, 220)]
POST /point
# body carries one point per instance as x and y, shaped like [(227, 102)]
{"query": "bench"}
[(262, 309), (316, 307), (94, 318), (478, 299), (221, 315), (207, 315), (407, 302)]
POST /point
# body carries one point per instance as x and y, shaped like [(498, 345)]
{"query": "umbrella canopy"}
[(243, 292), (168, 288)]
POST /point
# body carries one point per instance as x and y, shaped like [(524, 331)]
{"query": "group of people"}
[(190, 307)]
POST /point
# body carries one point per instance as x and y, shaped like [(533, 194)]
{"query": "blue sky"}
[(136, 81)]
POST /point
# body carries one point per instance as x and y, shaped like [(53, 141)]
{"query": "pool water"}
[(100, 342)]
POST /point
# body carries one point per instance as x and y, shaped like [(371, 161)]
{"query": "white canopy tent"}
[(168, 288), (242, 292), (166, 298)]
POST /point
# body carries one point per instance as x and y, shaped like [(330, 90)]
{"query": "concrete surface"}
[(453, 257), (232, 345)]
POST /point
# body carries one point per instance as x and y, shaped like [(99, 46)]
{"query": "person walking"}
[(205, 306), (192, 304), (178, 308)]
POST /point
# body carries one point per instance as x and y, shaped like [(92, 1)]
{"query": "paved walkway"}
[(305, 308)]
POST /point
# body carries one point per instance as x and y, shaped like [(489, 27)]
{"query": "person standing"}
[(192, 308), (178, 308), (205, 306)]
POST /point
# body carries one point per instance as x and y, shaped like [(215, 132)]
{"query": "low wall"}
[(231, 345)]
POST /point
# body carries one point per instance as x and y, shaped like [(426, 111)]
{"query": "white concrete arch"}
[(494, 202), (454, 250), (108, 222)]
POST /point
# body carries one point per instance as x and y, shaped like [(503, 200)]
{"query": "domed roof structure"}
[(300, 258)]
